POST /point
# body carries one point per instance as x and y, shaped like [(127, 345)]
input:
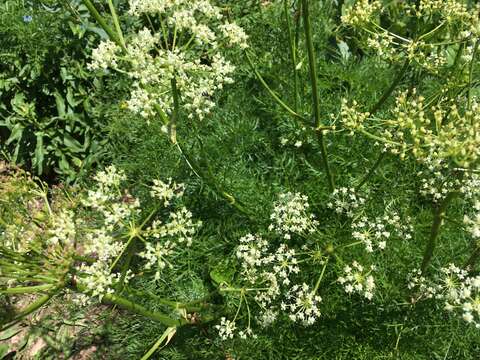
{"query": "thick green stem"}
[(314, 87), (133, 307), (101, 21), (27, 289), (293, 54), (172, 125), (34, 306), (138, 309), (439, 212), (116, 22)]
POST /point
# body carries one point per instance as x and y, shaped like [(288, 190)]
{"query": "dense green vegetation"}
[(405, 173)]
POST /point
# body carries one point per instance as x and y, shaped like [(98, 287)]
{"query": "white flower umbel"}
[(459, 291), (301, 304), (357, 280), (168, 191), (63, 229), (422, 287), (346, 201), (291, 215), (285, 263), (117, 222), (180, 226), (252, 254), (226, 329), (104, 56), (187, 48), (98, 279), (156, 256), (376, 233), (361, 13), (100, 244)]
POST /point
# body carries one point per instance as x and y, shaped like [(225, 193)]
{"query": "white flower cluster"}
[(99, 280), (290, 215), (226, 328), (268, 273), (418, 283), (104, 56), (438, 179), (166, 191), (63, 229), (118, 213), (357, 280), (102, 245), (459, 291), (156, 255), (187, 50), (375, 233), (302, 304), (346, 201)]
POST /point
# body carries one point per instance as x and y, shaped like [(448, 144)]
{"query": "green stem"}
[(34, 306), (317, 285), (116, 22), (27, 289), (166, 336), (470, 75), (378, 138), (101, 21), (314, 84), (173, 304), (124, 269), (272, 93), (138, 309), (117, 259), (172, 125), (435, 230), (293, 56)]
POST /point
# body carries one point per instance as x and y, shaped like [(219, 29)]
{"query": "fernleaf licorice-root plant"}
[(316, 190)]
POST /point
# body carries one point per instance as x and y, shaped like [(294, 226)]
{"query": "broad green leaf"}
[(60, 104), (71, 101), (19, 105), (16, 134), (72, 144), (39, 153)]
